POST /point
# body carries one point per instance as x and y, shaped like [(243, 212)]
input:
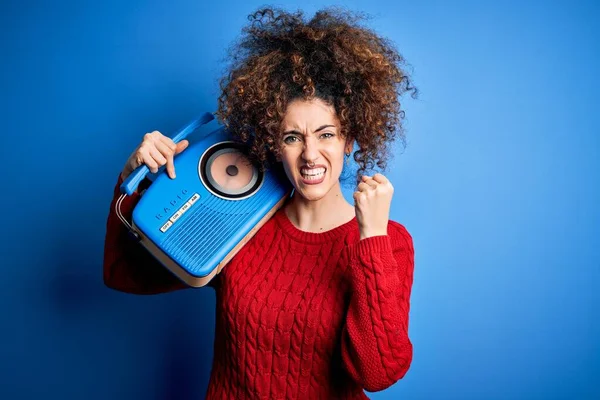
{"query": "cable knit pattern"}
[(299, 315)]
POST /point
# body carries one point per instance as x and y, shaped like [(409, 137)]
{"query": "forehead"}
[(309, 113)]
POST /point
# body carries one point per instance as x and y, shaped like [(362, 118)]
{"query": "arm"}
[(128, 266), (376, 349)]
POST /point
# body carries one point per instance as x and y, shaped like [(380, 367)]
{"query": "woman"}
[(316, 304)]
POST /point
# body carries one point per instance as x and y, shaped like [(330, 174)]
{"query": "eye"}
[(289, 139), (327, 135)]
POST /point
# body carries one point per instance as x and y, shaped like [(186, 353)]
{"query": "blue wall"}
[(499, 186)]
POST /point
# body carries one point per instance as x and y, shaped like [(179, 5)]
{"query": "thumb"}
[(181, 146)]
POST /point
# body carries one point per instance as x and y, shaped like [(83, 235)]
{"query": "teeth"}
[(312, 173)]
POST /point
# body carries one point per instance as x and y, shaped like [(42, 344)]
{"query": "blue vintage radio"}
[(194, 224)]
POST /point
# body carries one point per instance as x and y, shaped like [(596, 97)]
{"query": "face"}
[(311, 134)]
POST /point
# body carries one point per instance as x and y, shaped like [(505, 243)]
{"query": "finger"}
[(149, 137), (181, 146), (168, 154), (380, 178), (168, 149), (164, 149), (135, 161), (159, 159), (170, 167), (372, 183), (369, 180), (358, 197), (150, 162), (168, 142), (363, 187), (138, 159)]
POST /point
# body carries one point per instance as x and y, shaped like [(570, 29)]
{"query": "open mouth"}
[(312, 174)]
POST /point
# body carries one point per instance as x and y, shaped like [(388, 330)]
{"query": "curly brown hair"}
[(281, 57)]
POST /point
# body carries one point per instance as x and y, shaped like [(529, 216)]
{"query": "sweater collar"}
[(331, 235)]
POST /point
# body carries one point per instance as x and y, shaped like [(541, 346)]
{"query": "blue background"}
[(499, 186)]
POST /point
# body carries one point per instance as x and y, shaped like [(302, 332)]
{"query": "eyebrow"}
[(318, 129)]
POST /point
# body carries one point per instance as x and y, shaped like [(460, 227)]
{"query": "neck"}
[(320, 215)]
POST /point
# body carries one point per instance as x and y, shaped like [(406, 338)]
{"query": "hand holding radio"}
[(372, 203), (155, 151), (195, 225)]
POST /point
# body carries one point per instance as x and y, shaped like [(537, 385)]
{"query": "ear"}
[(349, 145)]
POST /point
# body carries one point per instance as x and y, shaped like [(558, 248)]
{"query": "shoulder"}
[(396, 228), (399, 236)]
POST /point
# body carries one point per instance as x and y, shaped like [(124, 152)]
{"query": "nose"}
[(310, 152)]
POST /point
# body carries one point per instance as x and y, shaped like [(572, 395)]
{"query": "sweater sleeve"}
[(376, 349), (128, 266)]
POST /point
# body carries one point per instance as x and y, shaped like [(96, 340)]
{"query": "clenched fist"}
[(372, 202)]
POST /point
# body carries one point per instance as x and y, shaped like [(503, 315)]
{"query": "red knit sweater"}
[(299, 315)]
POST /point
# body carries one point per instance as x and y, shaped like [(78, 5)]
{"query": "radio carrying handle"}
[(129, 185)]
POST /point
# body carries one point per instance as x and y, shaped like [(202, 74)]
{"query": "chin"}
[(310, 195), (312, 192)]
